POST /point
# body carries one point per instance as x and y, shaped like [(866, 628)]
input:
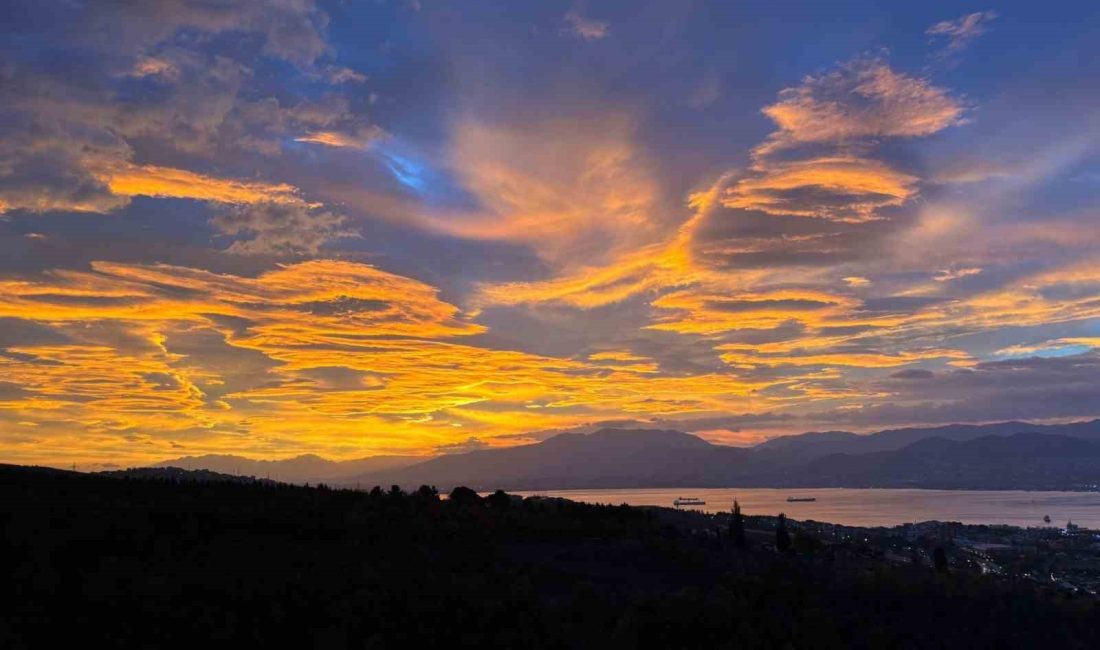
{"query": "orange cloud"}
[(700, 312), (572, 189), (1056, 295), (837, 188), (307, 356), (652, 267), (360, 139), (864, 98), (166, 182), (842, 113)]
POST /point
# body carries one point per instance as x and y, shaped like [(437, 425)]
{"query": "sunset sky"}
[(413, 226)]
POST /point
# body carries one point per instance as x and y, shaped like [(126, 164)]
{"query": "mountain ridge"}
[(637, 458), (611, 458)]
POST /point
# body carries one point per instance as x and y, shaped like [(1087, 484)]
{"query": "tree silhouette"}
[(499, 500), (462, 495), (737, 527), (782, 537), (427, 493), (939, 559)]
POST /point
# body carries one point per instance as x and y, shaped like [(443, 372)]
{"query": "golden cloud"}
[(331, 350), (166, 182), (572, 189), (701, 312), (836, 188), (864, 98), (362, 138)]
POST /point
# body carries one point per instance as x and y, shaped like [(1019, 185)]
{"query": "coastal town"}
[(1065, 557)]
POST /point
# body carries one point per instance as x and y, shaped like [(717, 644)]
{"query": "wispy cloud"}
[(280, 228), (572, 187), (864, 98), (584, 28), (164, 182), (818, 164), (946, 275), (958, 33), (361, 138)]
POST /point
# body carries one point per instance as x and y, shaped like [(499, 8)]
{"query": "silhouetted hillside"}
[(154, 563), (613, 458), (619, 458), (307, 468), (807, 446), (1024, 461), (178, 474), (606, 458)]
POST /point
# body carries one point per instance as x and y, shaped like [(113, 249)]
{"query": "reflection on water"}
[(873, 507)]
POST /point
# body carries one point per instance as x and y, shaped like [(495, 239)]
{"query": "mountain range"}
[(1009, 455)]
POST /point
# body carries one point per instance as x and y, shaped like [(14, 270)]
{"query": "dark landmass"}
[(1023, 461), (307, 468), (963, 457), (169, 562), (178, 474), (604, 459), (1009, 455), (808, 446)]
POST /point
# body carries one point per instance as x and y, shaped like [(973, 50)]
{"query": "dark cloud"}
[(10, 391), (738, 238), (292, 30), (154, 81), (279, 228), (912, 373), (735, 306), (1030, 388), (15, 332)]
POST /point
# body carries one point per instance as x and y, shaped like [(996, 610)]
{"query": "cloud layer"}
[(355, 228)]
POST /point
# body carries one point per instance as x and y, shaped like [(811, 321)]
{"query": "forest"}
[(167, 561)]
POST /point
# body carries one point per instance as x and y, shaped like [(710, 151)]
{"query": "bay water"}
[(871, 507)]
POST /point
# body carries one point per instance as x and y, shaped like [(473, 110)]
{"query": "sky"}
[(367, 227)]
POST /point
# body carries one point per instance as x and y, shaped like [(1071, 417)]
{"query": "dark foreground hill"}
[(307, 468), (125, 562), (178, 474)]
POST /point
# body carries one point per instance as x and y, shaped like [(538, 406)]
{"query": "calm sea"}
[(877, 507)]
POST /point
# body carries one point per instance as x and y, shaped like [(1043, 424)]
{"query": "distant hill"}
[(606, 458), (806, 446), (999, 456), (995, 456), (307, 468), (1032, 461)]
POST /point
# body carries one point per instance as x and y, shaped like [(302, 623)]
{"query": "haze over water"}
[(872, 507)]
